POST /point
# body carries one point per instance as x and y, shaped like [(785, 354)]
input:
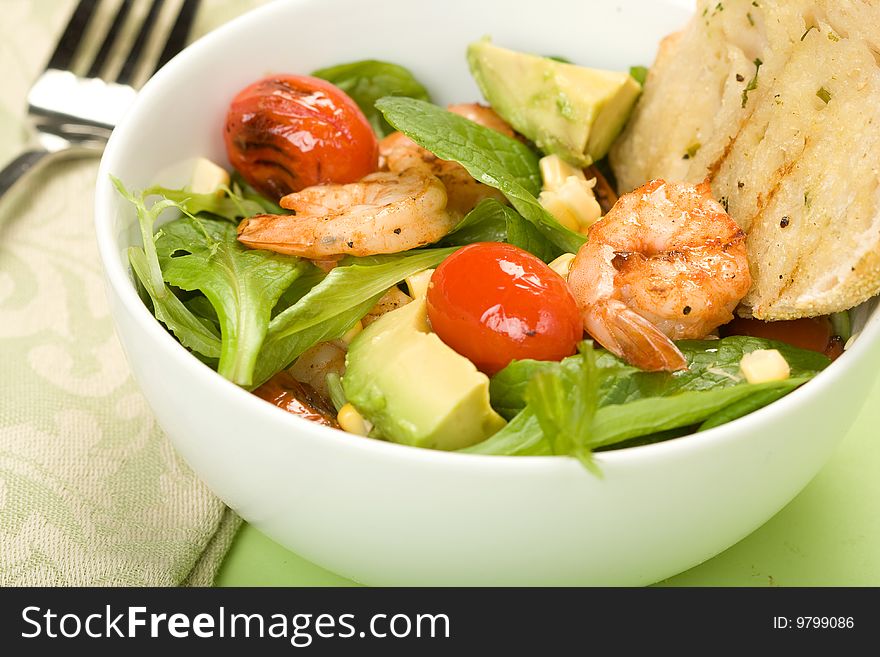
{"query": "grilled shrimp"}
[(416, 201), (666, 263), (385, 212), (399, 151)]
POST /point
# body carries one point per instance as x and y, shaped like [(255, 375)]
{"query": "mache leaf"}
[(523, 234), (618, 422), (621, 423)]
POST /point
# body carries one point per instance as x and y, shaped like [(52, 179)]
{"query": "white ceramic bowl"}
[(386, 514)]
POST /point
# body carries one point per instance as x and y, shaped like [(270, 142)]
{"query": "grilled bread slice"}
[(777, 103)]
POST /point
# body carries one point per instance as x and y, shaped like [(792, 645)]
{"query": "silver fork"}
[(74, 115)]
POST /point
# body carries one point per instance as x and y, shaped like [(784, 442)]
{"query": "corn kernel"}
[(573, 203), (417, 284), (352, 421), (579, 196), (555, 171), (562, 264), (763, 365), (551, 202), (208, 178)]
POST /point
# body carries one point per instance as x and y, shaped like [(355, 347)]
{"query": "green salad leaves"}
[(369, 80), (490, 157), (492, 221), (241, 284), (336, 304), (551, 410), (253, 311), (564, 402)]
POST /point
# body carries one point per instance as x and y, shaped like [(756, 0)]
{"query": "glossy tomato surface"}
[(814, 333), (287, 132), (494, 303)]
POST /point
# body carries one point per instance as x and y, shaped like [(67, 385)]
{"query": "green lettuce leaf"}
[(229, 204), (337, 393), (309, 278), (487, 222), (841, 324), (522, 436), (712, 364), (618, 422), (564, 402), (636, 407), (336, 304), (168, 309), (243, 189), (243, 285), (492, 158), (492, 221), (199, 306), (658, 417), (193, 333), (369, 80), (269, 308)]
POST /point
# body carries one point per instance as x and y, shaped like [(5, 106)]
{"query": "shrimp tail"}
[(628, 335)]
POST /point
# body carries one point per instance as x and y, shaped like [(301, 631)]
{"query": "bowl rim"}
[(118, 280)]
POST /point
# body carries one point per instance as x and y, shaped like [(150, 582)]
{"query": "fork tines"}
[(67, 44), (135, 59)]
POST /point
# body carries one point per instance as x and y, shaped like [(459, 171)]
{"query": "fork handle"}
[(30, 160)]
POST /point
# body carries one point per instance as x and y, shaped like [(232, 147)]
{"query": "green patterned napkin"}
[(91, 491)]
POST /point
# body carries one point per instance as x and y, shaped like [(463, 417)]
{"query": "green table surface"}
[(829, 535)]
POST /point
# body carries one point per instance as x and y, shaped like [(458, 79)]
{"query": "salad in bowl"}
[(469, 312), (464, 278)]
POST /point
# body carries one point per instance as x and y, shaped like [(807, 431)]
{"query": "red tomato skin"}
[(813, 333), (288, 132), (494, 303)]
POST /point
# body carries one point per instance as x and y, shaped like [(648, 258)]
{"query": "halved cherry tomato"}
[(494, 303), (813, 333), (288, 132)]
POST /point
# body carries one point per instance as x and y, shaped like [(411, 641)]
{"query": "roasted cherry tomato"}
[(288, 132), (814, 333), (494, 303), (298, 398)]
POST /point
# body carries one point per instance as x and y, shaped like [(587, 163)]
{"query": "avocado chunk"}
[(567, 110), (414, 388)]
